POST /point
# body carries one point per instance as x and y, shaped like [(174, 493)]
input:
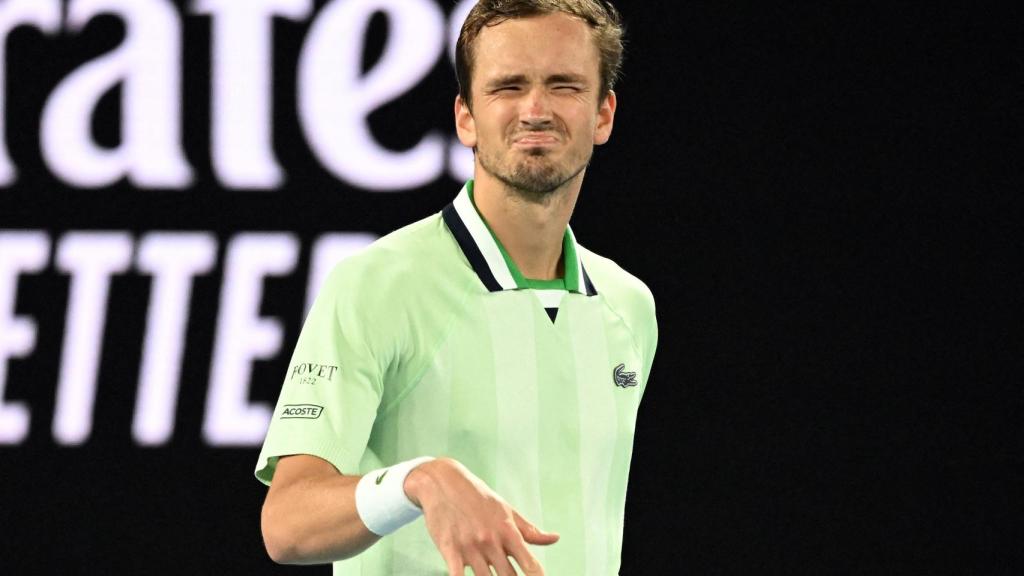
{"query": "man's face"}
[(535, 116)]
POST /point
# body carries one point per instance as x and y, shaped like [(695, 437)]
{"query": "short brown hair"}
[(604, 20)]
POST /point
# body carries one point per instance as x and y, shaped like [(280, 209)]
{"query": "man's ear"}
[(465, 126), (605, 118)]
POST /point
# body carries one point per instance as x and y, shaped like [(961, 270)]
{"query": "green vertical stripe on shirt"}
[(472, 435), (559, 443), (422, 418), (515, 365), (598, 396)]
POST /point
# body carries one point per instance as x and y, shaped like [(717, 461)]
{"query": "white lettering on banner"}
[(335, 98), (460, 158), (243, 336), (242, 69), (91, 258), (173, 259), (148, 67), (20, 253), (455, 22), (328, 251), (44, 15)]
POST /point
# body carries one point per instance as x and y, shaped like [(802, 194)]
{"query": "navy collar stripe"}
[(484, 254), (591, 291), (469, 248)]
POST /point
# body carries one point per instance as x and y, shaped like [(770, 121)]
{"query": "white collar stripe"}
[(579, 264), (486, 257), (484, 241)]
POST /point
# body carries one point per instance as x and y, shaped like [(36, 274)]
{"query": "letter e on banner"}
[(243, 336), (335, 98), (20, 252)]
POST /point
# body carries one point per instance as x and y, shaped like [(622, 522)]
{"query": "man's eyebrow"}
[(507, 79), (567, 79)]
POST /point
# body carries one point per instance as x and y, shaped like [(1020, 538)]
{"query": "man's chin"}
[(536, 183), (534, 177)]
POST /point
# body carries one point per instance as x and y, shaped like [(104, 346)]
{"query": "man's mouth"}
[(533, 140)]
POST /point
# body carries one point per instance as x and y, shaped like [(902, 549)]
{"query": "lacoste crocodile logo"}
[(622, 378)]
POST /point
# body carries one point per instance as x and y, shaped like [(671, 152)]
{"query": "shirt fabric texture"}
[(431, 342)]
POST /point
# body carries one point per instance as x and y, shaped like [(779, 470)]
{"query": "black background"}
[(824, 200)]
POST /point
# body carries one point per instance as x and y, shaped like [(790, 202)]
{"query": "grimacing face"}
[(535, 116)]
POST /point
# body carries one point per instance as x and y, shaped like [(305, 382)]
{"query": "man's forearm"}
[(310, 516), (314, 520)]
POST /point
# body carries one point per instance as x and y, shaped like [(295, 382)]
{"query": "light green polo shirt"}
[(431, 342)]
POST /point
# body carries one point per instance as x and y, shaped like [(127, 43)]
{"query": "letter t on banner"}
[(242, 87), (91, 258), (174, 259)]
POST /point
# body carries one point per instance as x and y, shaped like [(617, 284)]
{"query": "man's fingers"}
[(502, 566), (456, 567), (479, 566), (525, 559), (531, 533)]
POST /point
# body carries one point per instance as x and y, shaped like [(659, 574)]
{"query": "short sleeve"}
[(333, 386), (650, 336)]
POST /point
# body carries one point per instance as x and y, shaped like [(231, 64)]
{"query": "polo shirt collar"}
[(488, 258)]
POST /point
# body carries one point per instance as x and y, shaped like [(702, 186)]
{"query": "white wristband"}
[(381, 500)]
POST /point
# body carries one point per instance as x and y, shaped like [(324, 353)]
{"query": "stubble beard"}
[(534, 178)]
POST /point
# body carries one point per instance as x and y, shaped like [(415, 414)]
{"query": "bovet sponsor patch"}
[(311, 372)]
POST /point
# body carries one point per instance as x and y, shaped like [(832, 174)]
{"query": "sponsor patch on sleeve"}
[(305, 411), (311, 373)]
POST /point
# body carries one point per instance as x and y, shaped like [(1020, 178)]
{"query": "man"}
[(478, 367)]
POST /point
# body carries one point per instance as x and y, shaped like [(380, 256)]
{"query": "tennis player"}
[(464, 392)]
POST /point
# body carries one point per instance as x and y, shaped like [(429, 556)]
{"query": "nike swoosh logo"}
[(381, 477)]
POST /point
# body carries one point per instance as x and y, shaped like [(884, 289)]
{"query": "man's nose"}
[(536, 107)]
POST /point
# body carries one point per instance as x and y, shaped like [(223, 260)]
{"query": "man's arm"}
[(310, 517)]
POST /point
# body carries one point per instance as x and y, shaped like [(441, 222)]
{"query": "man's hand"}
[(470, 524)]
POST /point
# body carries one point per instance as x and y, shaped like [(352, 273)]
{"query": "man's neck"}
[(531, 231)]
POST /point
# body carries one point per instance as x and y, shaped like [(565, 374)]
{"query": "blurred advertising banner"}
[(175, 181)]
